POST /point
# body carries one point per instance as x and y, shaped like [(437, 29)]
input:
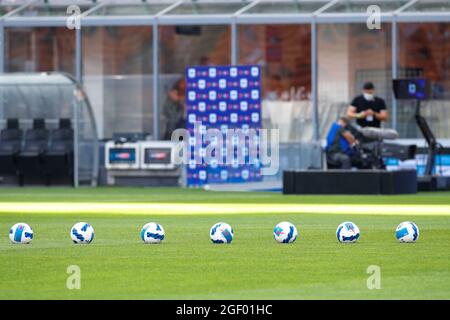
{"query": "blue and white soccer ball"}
[(152, 233), (21, 233), (82, 232), (221, 233), (347, 232), (285, 232), (407, 232)]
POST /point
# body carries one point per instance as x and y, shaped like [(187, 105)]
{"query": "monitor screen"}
[(411, 89), (157, 156), (122, 155)]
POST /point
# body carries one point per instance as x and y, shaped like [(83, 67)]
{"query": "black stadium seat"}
[(30, 160), (10, 144), (59, 156)]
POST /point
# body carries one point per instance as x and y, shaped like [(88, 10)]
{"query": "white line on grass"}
[(218, 208)]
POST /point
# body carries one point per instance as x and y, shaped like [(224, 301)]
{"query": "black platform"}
[(433, 183), (350, 182)]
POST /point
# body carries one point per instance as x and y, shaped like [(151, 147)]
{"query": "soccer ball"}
[(285, 232), (347, 232), (221, 233), (21, 233), (82, 232), (407, 232), (152, 233)]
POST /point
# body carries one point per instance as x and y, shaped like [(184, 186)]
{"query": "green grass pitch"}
[(117, 265)]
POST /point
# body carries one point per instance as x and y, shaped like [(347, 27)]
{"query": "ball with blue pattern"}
[(152, 233), (221, 233), (82, 233), (285, 232), (21, 233), (347, 232), (407, 232)]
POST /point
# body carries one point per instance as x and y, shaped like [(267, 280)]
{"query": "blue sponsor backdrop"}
[(222, 97)]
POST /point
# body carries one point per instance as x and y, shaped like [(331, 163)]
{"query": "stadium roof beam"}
[(241, 12), (207, 19), (404, 7), (278, 12), (172, 6), (200, 14), (16, 19), (93, 9), (353, 11), (423, 17), (19, 8), (325, 7)]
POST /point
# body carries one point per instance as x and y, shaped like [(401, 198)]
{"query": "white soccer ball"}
[(82, 232), (152, 233), (21, 233), (407, 232), (285, 232), (221, 233), (347, 232)]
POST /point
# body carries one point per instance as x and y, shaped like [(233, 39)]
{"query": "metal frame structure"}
[(323, 15)]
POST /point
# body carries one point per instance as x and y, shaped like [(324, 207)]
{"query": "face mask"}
[(368, 96)]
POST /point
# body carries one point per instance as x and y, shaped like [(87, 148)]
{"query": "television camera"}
[(372, 148)]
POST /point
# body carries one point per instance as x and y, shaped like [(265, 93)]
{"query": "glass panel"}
[(51, 97), (56, 8), (348, 56), (208, 7), (424, 51), (39, 49), (117, 71), (360, 6), (284, 53), (286, 7), (131, 9), (430, 6), (180, 47), (6, 8)]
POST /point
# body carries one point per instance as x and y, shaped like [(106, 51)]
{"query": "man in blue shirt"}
[(340, 143)]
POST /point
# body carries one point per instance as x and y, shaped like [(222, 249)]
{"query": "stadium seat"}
[(30, 160), (59, 156), (10, 143)]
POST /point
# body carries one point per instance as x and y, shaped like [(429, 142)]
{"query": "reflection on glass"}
[(39, 50), (360, 6), (117, 73), (6, 8), (348, 56), (53, 8), (284, 53), (50, 97), (180, 47), (424, 51), (131, 9), (208, 7), (286, 7)]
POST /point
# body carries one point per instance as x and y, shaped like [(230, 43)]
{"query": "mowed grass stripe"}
[(220, 208), (187, 265)]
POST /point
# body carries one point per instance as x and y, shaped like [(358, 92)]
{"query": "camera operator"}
[(367, 109), (340, 143)]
